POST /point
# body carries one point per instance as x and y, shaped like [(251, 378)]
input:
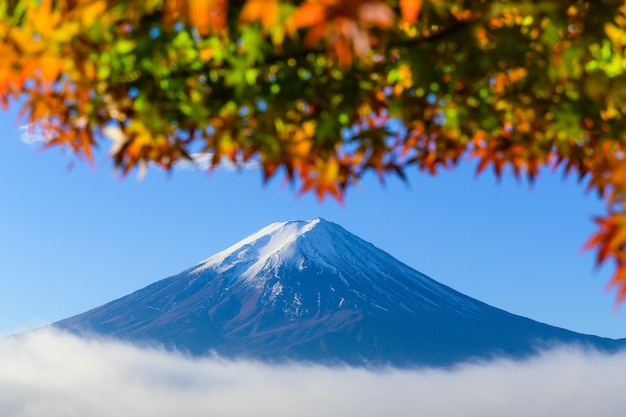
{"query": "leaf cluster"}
[(323, 91)]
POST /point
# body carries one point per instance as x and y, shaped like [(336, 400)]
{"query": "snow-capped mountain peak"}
[(273, 245), (355, 272)]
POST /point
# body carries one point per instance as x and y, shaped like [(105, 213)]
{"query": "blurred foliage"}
[(324, 90)]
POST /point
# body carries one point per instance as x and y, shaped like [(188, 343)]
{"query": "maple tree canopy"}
[(324, 90)]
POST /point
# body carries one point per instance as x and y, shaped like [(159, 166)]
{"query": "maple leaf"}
[(207, 15), (323, 178), (265, 11), (345, 24), (610, 241), (410, 10)]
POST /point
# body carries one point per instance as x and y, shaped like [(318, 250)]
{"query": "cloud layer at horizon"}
[(60, 375)]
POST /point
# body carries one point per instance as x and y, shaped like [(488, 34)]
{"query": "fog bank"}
[(53, 374)]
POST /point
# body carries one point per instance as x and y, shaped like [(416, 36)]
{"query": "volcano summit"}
[(311, 291)]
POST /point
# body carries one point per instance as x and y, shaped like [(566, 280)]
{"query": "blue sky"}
[(73, 239)]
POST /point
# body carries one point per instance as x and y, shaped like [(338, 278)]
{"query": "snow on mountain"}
[(310, 290), (318, 243), (270, 246)]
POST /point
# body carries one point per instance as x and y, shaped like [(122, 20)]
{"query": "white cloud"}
[(202, 161), (33, 134), (53, 374)]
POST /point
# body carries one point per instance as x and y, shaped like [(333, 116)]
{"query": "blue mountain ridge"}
[(311, 291)]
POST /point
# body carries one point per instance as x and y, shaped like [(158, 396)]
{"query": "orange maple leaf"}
[(344, 24), (265, 11), (323, 178), (410, 10), (207, 15)]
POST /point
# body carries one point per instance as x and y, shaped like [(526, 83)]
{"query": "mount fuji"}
[(311, 291)]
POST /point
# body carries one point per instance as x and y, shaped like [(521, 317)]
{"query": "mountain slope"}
[(313, 291)]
